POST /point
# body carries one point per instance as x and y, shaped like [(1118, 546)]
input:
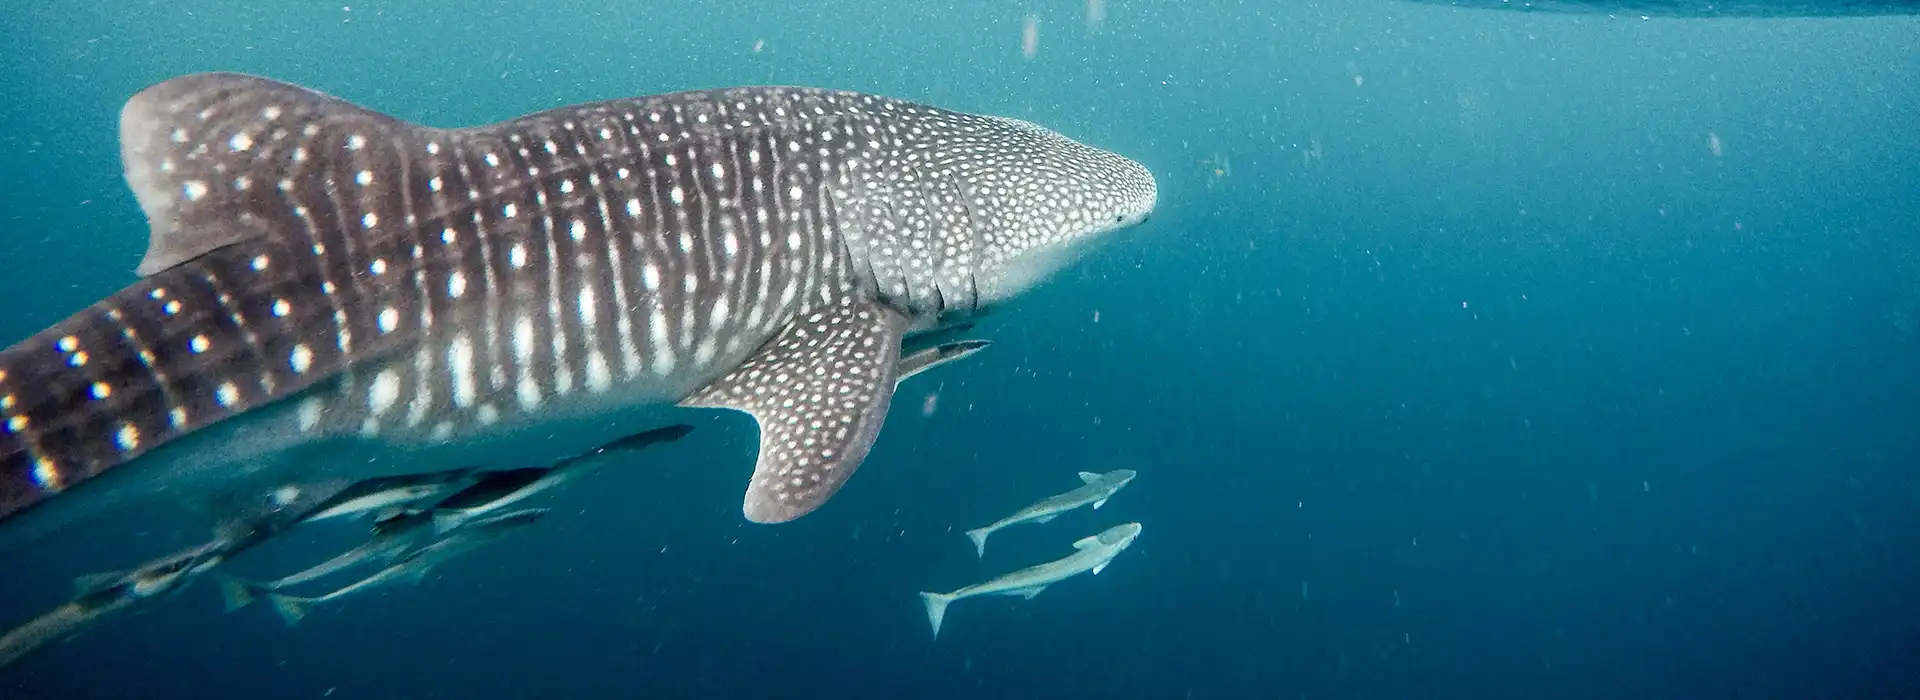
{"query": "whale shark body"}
[(326, 287)]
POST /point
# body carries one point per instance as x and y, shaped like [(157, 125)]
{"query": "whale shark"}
[(329, 290), (1094, 490), (1699, 8), (1091, 554)]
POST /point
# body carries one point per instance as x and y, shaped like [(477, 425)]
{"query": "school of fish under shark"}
[(332, 297)]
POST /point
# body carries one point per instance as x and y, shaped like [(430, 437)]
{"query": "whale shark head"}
[(1050, 206), (969, 210)]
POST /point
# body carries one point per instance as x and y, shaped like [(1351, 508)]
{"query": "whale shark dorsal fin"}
[(820, 391), (1085, 542), (184, 141), (1089, 477)]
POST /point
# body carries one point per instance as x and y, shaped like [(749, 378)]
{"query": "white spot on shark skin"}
[(177, 418), (240, 142), (389, 319), (578, 230), (46, 474), (281, 308), (528, 391), (384, 393), (599, 379), (587, 309), (199, 344), (456, 285), (460, 360), (194, 190), (227, 395), (509, 211), (101, 390), (128, 437), (517, 257), (300, 359), (363, 178)]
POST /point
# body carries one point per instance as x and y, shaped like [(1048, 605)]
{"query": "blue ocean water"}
[(1470, 354)]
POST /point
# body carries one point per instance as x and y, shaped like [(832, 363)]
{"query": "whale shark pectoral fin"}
[(820, 391), (1102, 566), (1031, 591), (1097, 504), (1088, 477), (1044, 519)]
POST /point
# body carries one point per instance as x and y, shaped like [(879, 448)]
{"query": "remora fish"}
[(1095, 489), (1091, 554), (392, 538), (388, 494), (944, 353), (416, 565), (101, 595), (104, 595), (344, 278), (498, 490), (1700, 8)]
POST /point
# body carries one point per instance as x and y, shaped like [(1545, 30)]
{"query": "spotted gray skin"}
[(1700, 8), (760, 249)]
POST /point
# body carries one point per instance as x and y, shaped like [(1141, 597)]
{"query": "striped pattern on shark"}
[(760, 249)]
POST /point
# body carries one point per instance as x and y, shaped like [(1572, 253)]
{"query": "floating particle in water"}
[(1096, 14), (1030, 36), (1713, 144)]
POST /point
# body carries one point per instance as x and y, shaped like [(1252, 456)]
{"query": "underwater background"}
[(1469, 355)]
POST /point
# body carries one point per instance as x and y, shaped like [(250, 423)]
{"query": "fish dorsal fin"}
[(820, 391), (216, 158), (1089, 477), (1085, 542), (86, 584)]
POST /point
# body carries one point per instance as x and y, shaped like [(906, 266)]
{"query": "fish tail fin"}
[(238, 592), (979, 538), (445, 521), (936, 609), (291, 609)]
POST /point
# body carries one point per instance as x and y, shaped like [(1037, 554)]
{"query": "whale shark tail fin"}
[(936, 609), (979, 538)]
